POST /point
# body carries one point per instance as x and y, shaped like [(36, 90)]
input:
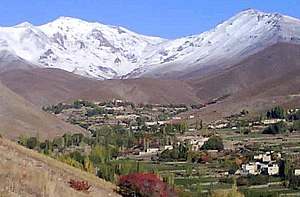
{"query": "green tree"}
[(199, 125), (276, 128), (277, 112), (59, 142), (77, 156), (213, 143), (296, 125), (88, 165), (98, 155), (32, 142)]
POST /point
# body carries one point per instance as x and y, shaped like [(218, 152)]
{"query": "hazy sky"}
[(164, 18)]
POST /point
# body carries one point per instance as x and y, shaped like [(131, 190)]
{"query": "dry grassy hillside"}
[(264, 80), (26, 173), (142, 91), (45, 86), (278, 65), (51, 86), (18, 116)]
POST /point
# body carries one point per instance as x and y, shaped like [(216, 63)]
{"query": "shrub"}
[(144, 185), (79, 185)]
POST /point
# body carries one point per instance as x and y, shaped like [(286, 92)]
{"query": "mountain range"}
[(252, 60), (102, 51)]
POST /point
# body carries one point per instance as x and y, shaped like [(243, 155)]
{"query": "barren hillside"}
[(45, 86), (266, 79), (51, 86), (18, 116), (142, 91)]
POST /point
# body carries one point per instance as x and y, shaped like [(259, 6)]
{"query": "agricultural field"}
[(258, 155)]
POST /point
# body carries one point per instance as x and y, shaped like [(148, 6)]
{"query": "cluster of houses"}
[(195, 141), (262, 164), (154, 147), (221, 124), (122, 113)]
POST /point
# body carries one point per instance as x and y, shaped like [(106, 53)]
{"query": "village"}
[(261, 151)]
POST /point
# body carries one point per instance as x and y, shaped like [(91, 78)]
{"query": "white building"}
[(152, 150), (273, 169), (250, 168), (263, 165), (169, 147)]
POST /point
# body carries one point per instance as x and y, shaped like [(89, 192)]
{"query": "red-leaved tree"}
[(144, 185)]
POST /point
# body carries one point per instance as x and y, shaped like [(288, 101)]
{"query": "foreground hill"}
[(51, 86), (18, 116), (26, 173)]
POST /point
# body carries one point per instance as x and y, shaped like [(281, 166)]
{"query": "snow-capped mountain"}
[(101, 51), (231, 41), (88, 49)]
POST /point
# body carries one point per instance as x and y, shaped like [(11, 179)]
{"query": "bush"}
[(144, 185)]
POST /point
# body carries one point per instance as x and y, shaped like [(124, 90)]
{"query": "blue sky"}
[(164, 18)]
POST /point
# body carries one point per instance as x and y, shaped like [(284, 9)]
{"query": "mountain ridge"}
[(102, 51)]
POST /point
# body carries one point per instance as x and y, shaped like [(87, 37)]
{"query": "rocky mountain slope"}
[(104, 52)]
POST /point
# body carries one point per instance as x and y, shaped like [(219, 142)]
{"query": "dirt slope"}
[(26, 173), (51, 86), (45, 86), (264, 80), (18, 116), (142, 91), (10, 61), (278, 65)]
